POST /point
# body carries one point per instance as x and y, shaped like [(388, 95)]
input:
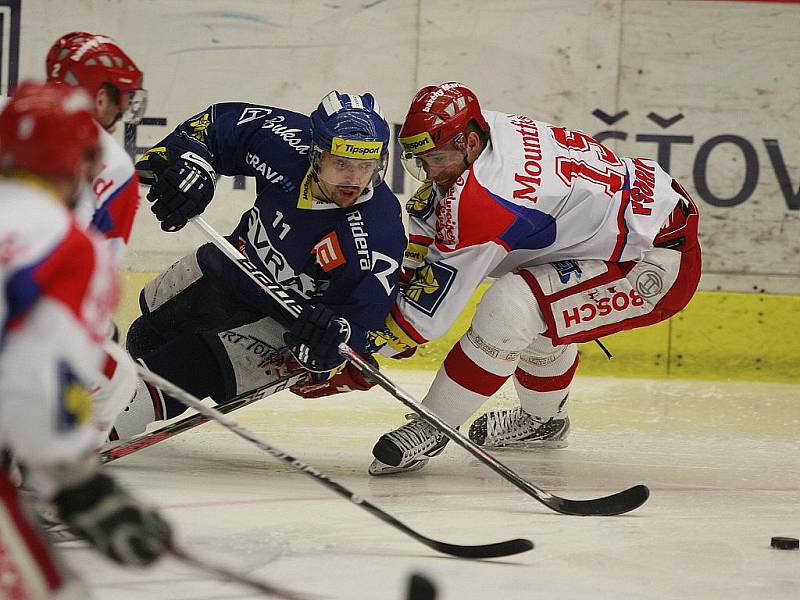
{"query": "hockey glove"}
[(314, 338), (348, 379), (94, 506), (182, 191)]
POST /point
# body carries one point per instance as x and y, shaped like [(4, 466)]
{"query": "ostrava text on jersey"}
[(347, 259)]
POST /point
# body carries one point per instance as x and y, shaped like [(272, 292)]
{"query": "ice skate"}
[(407, 448), (515, 427)]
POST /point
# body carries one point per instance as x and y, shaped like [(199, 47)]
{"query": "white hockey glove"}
[(96, 507)]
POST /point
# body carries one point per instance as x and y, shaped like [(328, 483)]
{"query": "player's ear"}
[(474, 146)]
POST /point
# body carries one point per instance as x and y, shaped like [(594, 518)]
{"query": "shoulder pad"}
[(421, 202)]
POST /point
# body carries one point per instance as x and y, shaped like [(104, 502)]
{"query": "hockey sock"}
[(543, 382), (468, 377), (188, 362)]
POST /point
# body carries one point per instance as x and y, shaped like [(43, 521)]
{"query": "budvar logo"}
[(441, 91), (614, 302), (328, 252)]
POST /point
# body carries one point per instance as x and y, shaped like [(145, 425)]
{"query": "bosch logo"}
[(649, 284)]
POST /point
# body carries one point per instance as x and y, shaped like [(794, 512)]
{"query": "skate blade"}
[(531, 445), (377, 468)]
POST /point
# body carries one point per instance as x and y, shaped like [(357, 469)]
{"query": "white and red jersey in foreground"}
[(59, 289)]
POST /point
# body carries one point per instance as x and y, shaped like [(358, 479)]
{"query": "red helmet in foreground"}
[(439, 114), (49, 130), (86, 60)]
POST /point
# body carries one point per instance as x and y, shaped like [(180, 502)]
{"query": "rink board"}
[(720, 335)]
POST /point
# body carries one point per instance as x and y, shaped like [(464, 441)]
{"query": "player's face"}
[(107, 109), (443, 165), (343, 179)]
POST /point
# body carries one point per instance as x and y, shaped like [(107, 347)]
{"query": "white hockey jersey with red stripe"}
[(110, 203), (537, 194), (59, 289)]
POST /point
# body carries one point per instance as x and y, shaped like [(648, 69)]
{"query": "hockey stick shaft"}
[(224, 573), (506, 548), (147, 439), (619, 503)]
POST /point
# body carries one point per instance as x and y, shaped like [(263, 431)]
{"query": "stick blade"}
[(616, 504), (496, 550)]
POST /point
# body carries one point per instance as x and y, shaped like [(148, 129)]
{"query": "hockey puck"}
[(420, 588), (785, 543)]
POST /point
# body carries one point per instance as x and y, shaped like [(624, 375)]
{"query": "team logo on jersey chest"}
[(329, 253), (430, 285)]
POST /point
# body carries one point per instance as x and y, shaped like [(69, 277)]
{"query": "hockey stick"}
[(147, 439), (495, 550), (615, 504), (227, 574)]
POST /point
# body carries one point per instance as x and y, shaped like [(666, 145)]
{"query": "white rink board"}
[(721, 79)]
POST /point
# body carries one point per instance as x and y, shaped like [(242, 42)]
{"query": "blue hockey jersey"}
[(345, 258)]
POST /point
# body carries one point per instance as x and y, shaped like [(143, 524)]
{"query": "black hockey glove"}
[(314, 339), (97, 508), (182, 191)]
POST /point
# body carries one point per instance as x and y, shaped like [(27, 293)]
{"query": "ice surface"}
[(722, 461)]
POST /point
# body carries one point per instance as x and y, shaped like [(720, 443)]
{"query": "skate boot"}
[(407, 448), (515, 427)]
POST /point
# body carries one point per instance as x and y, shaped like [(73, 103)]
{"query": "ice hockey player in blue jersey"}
[(324, 225)]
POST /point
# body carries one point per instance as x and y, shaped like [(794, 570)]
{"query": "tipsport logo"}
[(416, 144), (356, 148)]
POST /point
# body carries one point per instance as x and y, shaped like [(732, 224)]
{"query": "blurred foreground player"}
[(59, 289), (582, 243), (324, 226)]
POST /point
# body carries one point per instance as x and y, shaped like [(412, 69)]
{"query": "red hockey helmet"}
[(438, 116), (49, 130), (87, 60)]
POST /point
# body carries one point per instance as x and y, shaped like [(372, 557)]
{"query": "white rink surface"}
[(722, 461)]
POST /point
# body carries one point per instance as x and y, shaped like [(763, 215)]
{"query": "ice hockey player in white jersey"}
[(96, 64), (581, 243), (59, 287)]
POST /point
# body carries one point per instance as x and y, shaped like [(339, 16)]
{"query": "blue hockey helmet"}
[(351, 126)]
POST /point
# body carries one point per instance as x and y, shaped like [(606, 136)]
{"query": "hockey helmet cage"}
[(88, 60), (351, 126), (48, 130)]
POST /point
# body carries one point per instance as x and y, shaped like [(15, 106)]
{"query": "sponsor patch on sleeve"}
[(76, 404), (430, 285), (421, 204)]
